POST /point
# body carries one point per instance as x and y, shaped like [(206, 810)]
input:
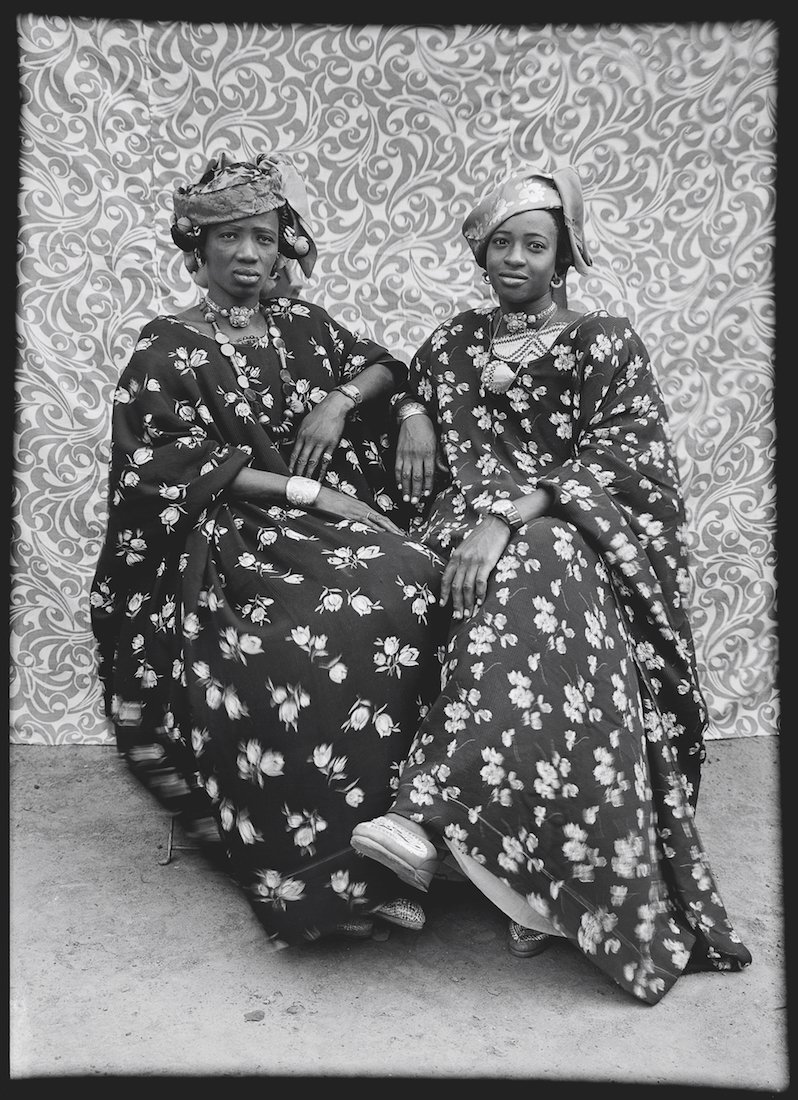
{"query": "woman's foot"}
[(526, 942), (401, 846), (401, 912)]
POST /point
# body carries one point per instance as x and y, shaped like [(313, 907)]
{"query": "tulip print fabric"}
[(564, 752), (263, 666)]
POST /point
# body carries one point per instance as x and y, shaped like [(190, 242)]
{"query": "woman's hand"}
[(465, 577), (415, 457), (319, 434), (343, 506)]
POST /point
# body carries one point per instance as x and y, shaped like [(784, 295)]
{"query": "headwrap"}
[(531, 188), (229, 190)]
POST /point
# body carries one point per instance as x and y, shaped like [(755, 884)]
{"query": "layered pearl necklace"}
[(238, 362), (522, 343)]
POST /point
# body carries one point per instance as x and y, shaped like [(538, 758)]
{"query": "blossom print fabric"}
[(564, 752), (264, 667)]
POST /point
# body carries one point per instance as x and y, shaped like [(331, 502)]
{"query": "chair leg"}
[(172, 847), (169, 844)]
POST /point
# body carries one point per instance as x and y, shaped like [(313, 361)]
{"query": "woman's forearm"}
[(258, 486), (375, 380), (534, 504)]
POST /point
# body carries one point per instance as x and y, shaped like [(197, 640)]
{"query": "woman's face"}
[(520, 258), (239, 256)]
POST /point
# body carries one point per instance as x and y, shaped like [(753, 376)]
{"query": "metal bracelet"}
[(302, 491), (350, 391), (410, 408)]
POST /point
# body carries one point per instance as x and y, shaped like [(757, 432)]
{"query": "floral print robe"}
[(564, 752), (262, 665)]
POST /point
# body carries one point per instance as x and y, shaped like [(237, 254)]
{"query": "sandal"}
[(412, 858), (402, 912), (526, 942)]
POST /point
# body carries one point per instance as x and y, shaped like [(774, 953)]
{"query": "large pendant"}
[(516, 323), (497, 376), (240, 316)]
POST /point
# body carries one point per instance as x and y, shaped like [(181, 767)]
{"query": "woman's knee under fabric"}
[(550, 593)]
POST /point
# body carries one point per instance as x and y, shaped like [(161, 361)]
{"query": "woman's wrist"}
[(409, 407), (508, 513), (302, 492), (350, 393), (516, 513)]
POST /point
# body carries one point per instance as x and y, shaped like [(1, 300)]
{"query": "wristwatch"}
[(506, 510)]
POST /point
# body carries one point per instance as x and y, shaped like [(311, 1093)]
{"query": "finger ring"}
[(327, 456)]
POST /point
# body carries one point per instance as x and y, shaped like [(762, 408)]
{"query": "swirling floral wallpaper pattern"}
[(397, 129)]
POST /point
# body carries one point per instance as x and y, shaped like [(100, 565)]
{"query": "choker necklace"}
[(238, 362), (520, 322), (238, 316)]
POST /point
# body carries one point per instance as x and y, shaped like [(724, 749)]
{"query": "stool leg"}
[(169, 843)]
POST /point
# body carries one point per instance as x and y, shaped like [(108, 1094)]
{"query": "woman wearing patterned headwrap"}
[(560, 763), (262, 623)]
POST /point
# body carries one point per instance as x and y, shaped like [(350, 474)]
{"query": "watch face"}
[(501, 506)]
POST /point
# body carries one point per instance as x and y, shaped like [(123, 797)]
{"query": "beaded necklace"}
[(495, 374), (238, 362), (238, 316), (519, 322)]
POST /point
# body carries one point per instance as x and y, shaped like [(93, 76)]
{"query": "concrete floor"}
[(123, 967)]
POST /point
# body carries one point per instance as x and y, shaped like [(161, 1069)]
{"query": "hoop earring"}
[(557, 282), (485, 277)]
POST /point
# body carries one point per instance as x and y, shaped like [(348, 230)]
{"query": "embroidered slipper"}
[(411, 858), (526, 942), (401, 912)]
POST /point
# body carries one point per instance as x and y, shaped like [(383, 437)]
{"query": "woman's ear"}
[(559, 293)]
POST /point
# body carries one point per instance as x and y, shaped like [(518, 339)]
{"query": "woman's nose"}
[(247, 249)]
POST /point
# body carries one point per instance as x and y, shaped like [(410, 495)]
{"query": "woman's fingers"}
[(429, 470), (295, 453), (481, 585), (465, 582), (446, 582), (391, 526), (377, 519), (403, 479), (467, 589), (414, 478), (310, 461), (455, 588)]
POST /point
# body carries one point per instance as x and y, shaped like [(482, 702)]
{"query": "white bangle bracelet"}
[(411, 408), (302, 491)]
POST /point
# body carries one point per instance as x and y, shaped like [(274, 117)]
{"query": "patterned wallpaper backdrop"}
[(397, 129)]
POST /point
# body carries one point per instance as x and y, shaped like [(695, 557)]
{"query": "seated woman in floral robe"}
[(561, 761), (263, 625)]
